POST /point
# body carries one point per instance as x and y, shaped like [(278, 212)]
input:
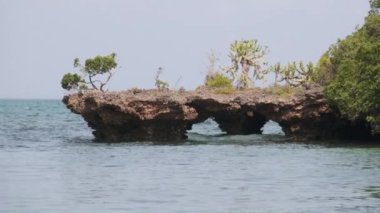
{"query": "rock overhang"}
[(156, 115)]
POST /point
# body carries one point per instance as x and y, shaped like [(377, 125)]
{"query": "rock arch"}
[(153, 115)]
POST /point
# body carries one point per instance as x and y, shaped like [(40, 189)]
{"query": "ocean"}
[(49, 162)]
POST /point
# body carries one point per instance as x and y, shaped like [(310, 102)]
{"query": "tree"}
[(353, 66), (72, 81), (277, 70), (375, 6), (247, 54), (294, 74), (95, 67), (324, 70)]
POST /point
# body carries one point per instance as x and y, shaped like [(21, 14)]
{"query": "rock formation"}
[(152, 115)]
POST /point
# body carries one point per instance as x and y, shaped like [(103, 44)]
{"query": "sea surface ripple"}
[(50, 163)]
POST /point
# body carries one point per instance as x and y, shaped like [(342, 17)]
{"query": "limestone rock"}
[(152, 115)]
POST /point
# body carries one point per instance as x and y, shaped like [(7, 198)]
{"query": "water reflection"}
[(374, 191)]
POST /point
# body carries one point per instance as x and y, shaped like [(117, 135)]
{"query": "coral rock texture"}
[(152, 115)]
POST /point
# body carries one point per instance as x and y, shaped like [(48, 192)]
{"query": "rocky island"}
[(337, 98), (157, 115)]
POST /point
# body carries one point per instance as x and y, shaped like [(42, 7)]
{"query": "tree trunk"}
[(245, 75), (92, 82)]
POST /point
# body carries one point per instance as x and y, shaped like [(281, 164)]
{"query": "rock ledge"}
[(151, 115)]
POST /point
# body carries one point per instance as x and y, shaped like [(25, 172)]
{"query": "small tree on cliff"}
[(247, 54), (96, 67), (93, 68)]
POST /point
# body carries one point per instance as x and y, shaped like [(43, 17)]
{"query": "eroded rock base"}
[(153, 115)]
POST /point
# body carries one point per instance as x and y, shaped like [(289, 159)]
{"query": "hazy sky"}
[(40, 38)]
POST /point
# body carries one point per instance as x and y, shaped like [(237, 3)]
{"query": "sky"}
[(40, 38)]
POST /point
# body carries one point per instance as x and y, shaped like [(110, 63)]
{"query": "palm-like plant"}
[(294, 74), (247, 54)]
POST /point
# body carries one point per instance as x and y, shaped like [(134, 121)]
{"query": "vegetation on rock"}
[(350, 71), (72, 82), (295, 74), (324, 71), (93, 69), (160, 84), (215, 80), (247, 55), (220, 84), (212, 70)]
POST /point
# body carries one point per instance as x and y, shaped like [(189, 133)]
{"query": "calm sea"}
[(49, 163)]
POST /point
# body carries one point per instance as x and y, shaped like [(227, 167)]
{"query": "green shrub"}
[(160, 84), (71, 81), (220, 84), (324, 70), (352, 67)]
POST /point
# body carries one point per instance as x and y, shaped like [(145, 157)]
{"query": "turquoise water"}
[(49, 163)]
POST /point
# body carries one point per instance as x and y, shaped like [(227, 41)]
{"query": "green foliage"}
[(375, 6), (219, 80), (161, 85), (374, 191), (376, 194), (98, 66), (76, 62), (324, 72), (350, 71), (375, 3), (212, 70), (294, 74), (71, 81), (247, 55), (220, 84), (93, 68)]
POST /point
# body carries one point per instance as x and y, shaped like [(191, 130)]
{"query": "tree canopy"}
[(375, 5), (93, 68), (350, 71), (294, 74), (247, 54), (71, 81)]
